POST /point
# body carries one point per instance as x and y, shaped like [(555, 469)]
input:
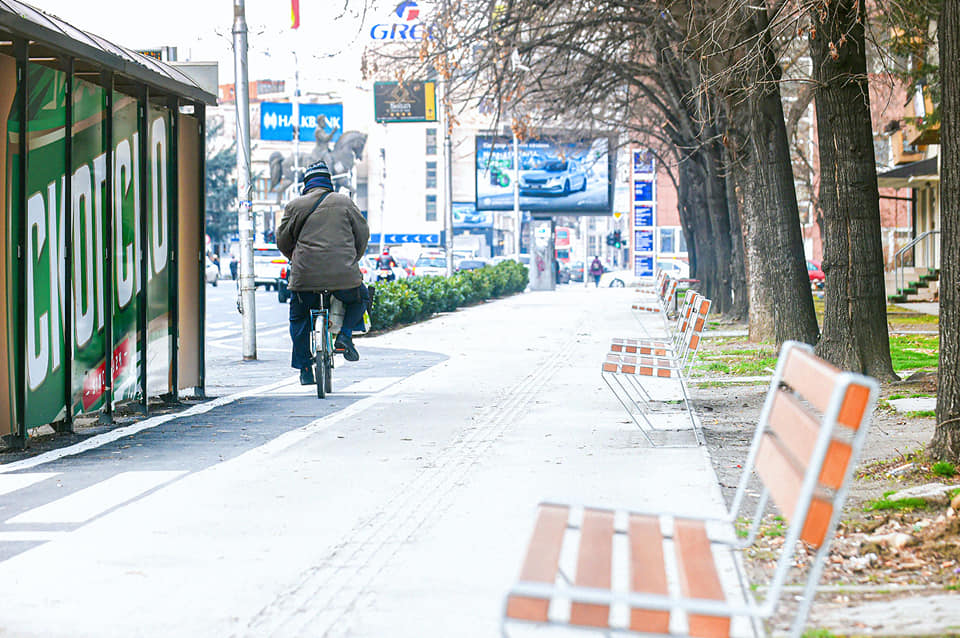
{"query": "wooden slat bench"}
[(656, 345), (804, 451), (624, 373), (664, 299)]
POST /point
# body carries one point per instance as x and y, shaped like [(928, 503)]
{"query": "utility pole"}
[(247, 302), (517, 219), (296, 119), (447, 178)]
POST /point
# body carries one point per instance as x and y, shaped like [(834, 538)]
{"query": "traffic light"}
[(610, 237), (617, 241)]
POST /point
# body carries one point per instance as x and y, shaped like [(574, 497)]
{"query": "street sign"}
[(406, 238), (406, 102)]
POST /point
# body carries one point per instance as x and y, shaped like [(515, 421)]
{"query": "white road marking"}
[(108, 437), (13, 482), (370, 385), (29, 536), (89, 502)]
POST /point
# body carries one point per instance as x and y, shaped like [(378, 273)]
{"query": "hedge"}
[(410, 300)]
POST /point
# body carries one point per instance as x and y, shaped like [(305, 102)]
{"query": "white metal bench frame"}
[(850, 401)]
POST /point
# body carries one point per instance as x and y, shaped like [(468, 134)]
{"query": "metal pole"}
[(383, 190), (585, 231), (247, 304), (106, 412), (517, 219), (296, 119), (447, 181)]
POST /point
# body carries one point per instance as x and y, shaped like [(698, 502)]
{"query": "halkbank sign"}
[(57, 264)]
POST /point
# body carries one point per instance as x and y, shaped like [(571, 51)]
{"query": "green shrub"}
[(406, 301)]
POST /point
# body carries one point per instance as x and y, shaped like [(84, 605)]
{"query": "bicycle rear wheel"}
[(319, 370), (328, 373)]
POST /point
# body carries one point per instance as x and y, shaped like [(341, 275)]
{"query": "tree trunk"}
[(946, 439), (740, 307), (711, 158), (855, 317), (780, 301), (693, 202)]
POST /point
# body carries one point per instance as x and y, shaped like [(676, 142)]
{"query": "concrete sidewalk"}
[(405, 513)]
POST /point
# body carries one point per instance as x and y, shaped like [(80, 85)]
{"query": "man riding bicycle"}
[(324, 236)]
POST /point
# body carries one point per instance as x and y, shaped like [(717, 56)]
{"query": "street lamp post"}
[(247, 304), (517, 219)]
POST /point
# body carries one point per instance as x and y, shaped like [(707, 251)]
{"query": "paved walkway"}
[(404, 514), (400, 507)]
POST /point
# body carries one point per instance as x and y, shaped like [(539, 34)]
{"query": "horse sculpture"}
[(346, 152)]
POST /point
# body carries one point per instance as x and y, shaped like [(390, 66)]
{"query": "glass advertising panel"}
[(11, 214), (126, 245), (159, 342), (45, 276)]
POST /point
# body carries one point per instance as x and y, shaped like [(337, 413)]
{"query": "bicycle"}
[(321, 346)]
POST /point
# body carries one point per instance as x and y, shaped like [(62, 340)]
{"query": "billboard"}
[(405, 102), (554, 176), (466, 215), (276, 120)]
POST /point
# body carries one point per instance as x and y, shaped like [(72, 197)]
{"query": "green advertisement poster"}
[(47, 276)]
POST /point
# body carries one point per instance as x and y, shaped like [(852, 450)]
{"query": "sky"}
[(328, 43)]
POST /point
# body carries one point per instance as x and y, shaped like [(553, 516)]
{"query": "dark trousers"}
[(301, 303), (596, 281)]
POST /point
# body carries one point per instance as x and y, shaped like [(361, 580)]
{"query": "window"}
[(431, 141), (431, 174), (666, 240), (431, 208), (672, 241)]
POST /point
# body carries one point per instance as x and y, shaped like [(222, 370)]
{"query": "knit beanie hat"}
[(317, 176)]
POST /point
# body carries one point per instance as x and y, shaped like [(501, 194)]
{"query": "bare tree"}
[(612, 65), (946, 439), (854, 326)]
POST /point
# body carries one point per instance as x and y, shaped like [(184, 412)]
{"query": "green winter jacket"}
[(323, 243)]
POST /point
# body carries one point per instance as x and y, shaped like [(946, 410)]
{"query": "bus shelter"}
[(102, 209)]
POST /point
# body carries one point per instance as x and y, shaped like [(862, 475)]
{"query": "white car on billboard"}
[(553, 177)]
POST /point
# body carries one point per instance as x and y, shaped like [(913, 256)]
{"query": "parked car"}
[(575, 268), (471, 264), (618, 279), (553, 177), (431, 263), (675, 268), (212, 271), (283, 291), (268, 261), (815, 273)]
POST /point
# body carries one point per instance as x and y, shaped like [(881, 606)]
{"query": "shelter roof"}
[(50, 34)]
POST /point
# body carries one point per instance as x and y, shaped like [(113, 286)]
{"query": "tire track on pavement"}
[(320, 602)]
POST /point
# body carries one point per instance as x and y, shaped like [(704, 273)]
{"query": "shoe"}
[(345, 346), (306, 376)]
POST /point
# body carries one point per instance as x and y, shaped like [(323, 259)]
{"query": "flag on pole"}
[(294, 13)]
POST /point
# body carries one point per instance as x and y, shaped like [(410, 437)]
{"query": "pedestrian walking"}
[(596, 270), (324, 236)]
